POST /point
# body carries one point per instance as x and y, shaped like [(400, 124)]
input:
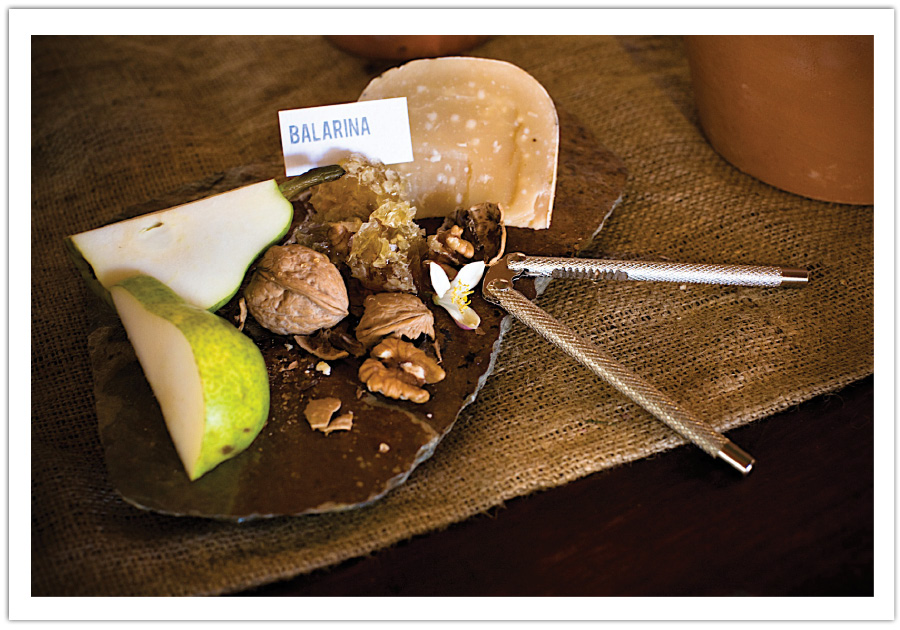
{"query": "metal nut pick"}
[(600, 269), (498, 288)]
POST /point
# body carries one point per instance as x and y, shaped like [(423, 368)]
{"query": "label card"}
[(318, 136)]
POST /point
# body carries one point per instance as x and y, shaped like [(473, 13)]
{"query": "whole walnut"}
[(296, 291)]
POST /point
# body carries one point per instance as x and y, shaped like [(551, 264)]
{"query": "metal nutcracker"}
[(498, 288)]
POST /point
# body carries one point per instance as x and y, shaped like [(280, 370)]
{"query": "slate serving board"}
[(290, 469)]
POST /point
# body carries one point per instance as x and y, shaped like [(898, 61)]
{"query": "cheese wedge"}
[(483, 130)]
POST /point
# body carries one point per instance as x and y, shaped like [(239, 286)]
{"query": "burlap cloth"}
[(118, 121)]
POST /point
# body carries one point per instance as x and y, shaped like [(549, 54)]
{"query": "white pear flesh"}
[(201, 250), (210, 380)]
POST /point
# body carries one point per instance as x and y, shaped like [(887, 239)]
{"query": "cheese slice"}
[(483, 130)]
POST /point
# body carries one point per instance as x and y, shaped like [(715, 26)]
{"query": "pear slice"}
[(209, 379), (201, 250)]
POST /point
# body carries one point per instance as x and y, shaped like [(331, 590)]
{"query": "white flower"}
[(454, 296)]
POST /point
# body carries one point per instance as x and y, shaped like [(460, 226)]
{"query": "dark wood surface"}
[(678, 524)]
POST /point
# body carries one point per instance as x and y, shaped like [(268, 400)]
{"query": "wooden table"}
[(801, 524)]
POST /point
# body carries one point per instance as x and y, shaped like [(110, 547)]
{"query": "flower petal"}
[(439, 280), (467, 318), (470, 274)]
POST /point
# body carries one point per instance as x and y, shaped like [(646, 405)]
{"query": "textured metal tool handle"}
[(623, 379), (598, 269)]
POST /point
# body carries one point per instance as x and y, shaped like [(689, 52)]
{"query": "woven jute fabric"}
[(120, 121)]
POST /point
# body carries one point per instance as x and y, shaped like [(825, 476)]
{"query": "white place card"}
[(318, 136)]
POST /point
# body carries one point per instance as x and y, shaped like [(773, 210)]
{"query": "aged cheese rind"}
[(483, 130)]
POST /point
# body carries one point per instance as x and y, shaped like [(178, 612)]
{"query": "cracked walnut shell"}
[(296, 291), (394, 314), (477, 232), (448, 246), (400, 372)]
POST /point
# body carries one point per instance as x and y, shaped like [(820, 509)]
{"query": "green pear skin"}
[(209, 378)]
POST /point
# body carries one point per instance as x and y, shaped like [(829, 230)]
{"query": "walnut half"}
[(395, 314), (398, 370)]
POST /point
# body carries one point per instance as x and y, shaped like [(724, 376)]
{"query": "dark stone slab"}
[(291, 469)]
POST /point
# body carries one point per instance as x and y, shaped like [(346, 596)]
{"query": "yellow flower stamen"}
[(460, 297)]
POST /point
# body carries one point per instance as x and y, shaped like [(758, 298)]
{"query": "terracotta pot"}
[(793, 111), (404, 47)]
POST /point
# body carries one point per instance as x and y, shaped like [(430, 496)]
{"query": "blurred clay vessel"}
[(404, 47), (796, 112)]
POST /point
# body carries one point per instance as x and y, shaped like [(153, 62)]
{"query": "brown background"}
[(120, 121)]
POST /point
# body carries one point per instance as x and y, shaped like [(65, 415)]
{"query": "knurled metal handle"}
[(600, 269), (501, 291)]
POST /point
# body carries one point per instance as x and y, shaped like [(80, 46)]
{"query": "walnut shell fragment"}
[(318, 414), (343, 422), (394, 314), (318, 347), (401, 371), (296, 291), (331, 344)]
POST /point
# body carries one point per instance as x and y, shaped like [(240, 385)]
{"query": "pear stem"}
[(296, 185)]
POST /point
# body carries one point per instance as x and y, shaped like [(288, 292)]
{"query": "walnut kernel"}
[(448, 245), (398, 370), (476, 232)]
